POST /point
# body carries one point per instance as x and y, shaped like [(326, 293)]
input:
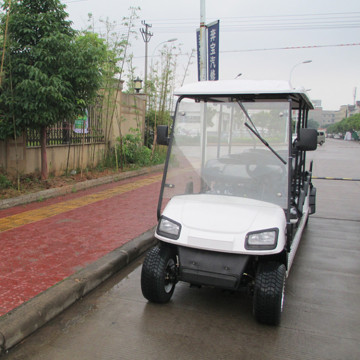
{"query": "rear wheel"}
[(269, 293), (158, 275)]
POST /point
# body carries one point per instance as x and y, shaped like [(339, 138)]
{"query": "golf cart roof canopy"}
[(246, 90)]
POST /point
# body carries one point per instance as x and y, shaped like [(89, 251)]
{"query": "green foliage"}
[(159, 87), (50, 73), (118, 43), (118, 56), (131, 150), (5, 183), (162, 118), (161, 82), (348, 124), (312, 124), (88, 67)]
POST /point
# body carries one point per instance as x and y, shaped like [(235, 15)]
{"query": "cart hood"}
[(221, 223)]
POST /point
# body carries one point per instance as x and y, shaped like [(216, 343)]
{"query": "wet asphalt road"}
[(321, 319)]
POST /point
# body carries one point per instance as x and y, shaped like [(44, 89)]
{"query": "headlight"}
[(262, 240), (168, 228)]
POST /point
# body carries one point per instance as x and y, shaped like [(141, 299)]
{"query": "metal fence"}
[(63, 132)]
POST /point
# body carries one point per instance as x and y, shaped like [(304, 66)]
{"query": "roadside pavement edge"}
[(30, 316), (46, 194)]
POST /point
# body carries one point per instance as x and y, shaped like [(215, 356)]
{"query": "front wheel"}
[(269, 292), (159, 274)]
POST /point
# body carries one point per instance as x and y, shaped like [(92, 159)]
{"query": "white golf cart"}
[(236, 194)]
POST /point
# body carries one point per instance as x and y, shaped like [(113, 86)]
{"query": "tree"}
[(313, 124), (51, 73), (352, 123), (118, 56), (160, 90)]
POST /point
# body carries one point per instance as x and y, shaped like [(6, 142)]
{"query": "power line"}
[(263, 17), (239, 28), (177, 31), (294, 25), (325, 21), (269, 16), (278, 48), (319, 21), (291, 48)]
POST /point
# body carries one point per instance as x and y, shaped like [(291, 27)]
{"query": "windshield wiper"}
[(255, 131)]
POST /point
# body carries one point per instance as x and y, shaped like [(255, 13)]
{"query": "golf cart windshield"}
[(227, 147)]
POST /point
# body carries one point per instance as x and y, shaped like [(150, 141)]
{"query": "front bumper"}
[(201, 267)]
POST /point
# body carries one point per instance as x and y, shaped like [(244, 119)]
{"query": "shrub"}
[(5, 183), (135, 153)]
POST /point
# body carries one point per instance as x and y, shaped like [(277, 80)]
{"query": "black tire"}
[(158, 275), (269, 292)]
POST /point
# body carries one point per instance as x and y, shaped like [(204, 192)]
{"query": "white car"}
[(232, 208)]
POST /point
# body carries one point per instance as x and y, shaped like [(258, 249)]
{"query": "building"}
[(328, 117)]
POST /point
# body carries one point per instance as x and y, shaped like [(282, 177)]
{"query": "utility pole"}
[(203, 57), (146, 35), (355, 88)]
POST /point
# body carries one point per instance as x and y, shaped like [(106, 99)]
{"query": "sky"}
[(260, 39)]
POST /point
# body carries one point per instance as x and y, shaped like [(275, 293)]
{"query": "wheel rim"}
[(170, 275)]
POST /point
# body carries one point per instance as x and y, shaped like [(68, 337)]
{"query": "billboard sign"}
[(198, 51), (81, 124), (212, 53), (213, 50)]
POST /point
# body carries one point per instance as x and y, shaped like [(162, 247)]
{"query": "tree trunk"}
[(44, 169)]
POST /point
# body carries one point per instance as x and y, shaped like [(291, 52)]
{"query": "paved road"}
[(322, 308)]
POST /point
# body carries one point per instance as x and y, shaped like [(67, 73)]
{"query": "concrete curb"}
[(46, 194), (30, 316)]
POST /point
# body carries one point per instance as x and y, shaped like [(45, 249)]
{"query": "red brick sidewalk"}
[(43, 243)]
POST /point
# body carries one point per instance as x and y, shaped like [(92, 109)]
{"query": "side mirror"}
[(162, 135), (307, 140)]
